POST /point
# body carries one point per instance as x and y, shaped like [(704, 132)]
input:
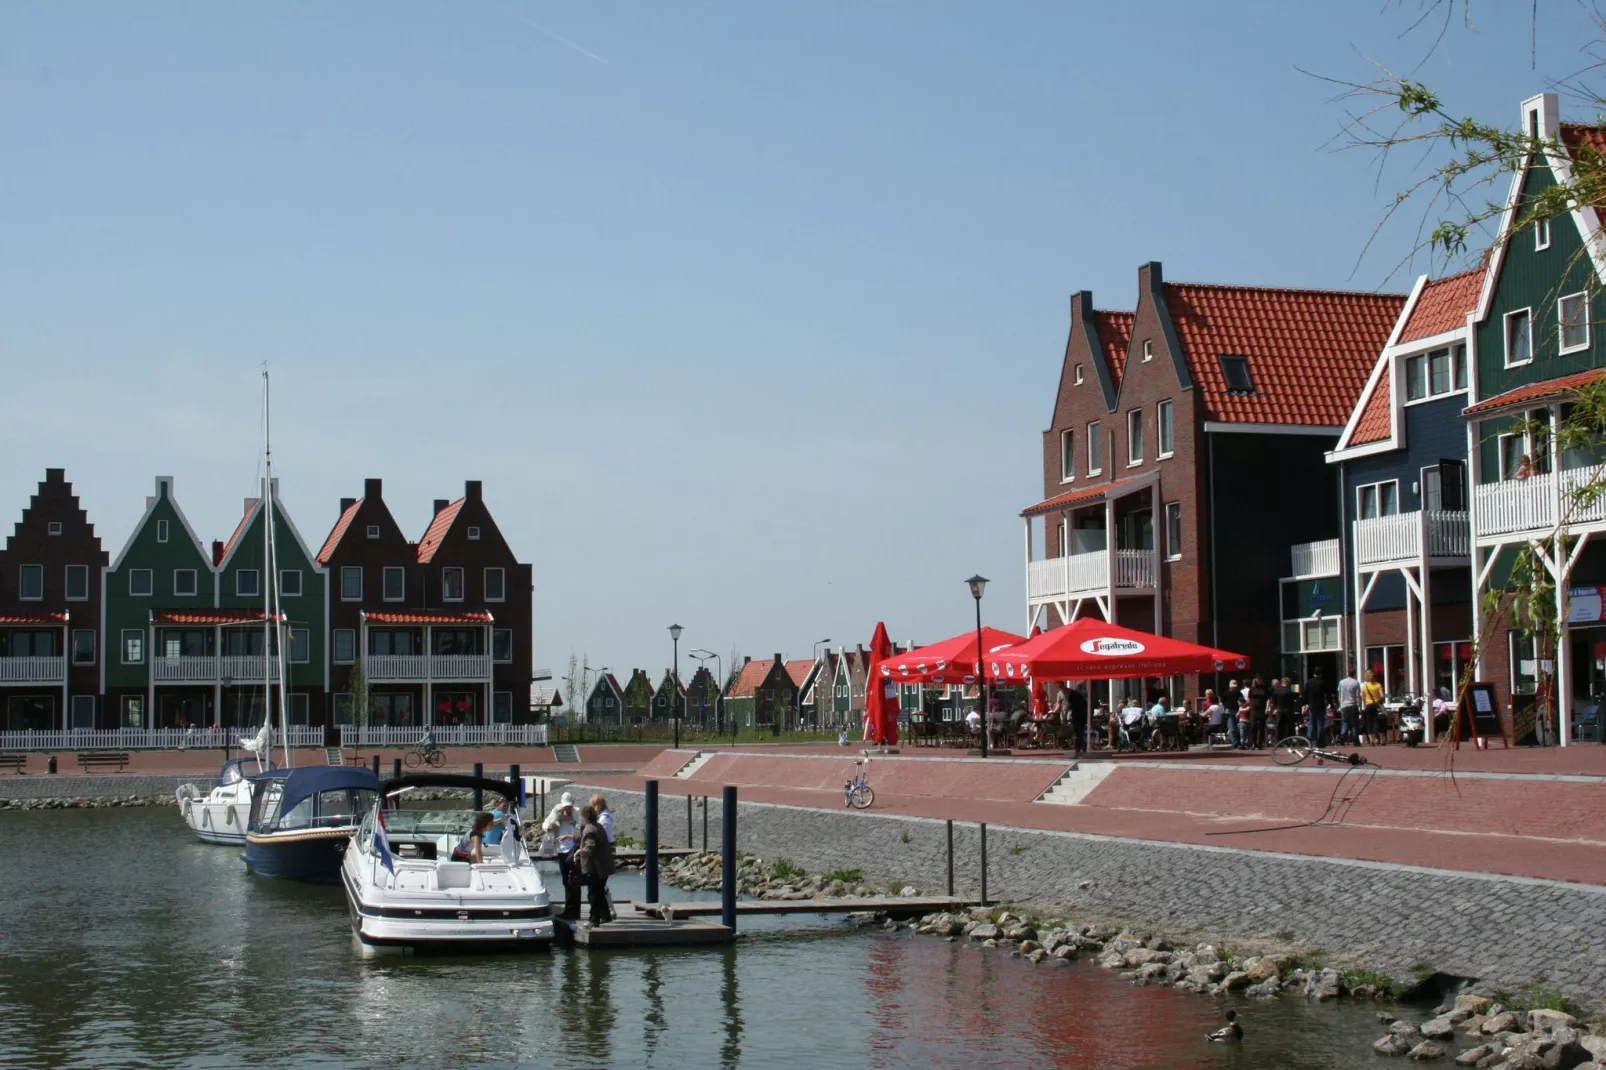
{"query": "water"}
[(125, 943)]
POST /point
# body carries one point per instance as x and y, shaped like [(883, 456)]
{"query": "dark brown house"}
[(50, 598)]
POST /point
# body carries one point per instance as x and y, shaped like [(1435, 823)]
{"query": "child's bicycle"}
[(1295, 749), (858, 793)]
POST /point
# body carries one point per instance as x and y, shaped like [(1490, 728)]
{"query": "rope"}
[(1333, 803)]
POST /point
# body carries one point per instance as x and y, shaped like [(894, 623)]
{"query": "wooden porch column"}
[(150, 673), (217, 685), (66, 671), (429, 676), (1029, 609), (1110, 540)]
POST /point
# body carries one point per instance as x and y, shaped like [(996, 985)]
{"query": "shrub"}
[(787, 870), (846, 876), (1382, 982)]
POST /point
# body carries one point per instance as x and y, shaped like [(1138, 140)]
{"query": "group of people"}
[(584, 842)]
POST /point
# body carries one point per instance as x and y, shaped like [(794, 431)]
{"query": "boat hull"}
[(447, 927), (313, 856), (218, 822)]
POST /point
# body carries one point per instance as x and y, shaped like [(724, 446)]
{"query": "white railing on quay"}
[(447, 735), (33, 670), (150, 738), (1311, 559)]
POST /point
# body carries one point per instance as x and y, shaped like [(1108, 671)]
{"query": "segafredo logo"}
[(1112, 648)]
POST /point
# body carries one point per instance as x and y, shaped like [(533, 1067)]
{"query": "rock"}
[(1391, 1045), (1264, 990), (1205, 954), (1364, 991), (1037, 954), (1386, 1018), (1427, 1051), (1544, 1021), (1474, 1025), (989, 943), (1028, 946), (1112, 960), (1503, 1022), (1472, 1004), (908, 891), (1437, 1028), (1408, 1030), (1595, 1045), (1064, 952), (1266, 969), (835, 888), (1154, 971), (1235, 981), (1471, 1056), (1143, 956), (985, 932), (1323, 985)]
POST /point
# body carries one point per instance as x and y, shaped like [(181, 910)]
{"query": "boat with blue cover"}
[(302, 819)]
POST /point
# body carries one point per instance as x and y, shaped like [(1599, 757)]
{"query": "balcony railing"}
[(1529, 505), (1085, 575), (1314, 559), (33, 670), (208, 669), (428, 666), (1397, 538)]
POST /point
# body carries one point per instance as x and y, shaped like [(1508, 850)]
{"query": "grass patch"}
[(846, 876), (1016, 849), (1382, 982), (1285, 935), (904, 836), (1422, 970), (1305, 960), (1535, 996), (785, 869), (623, 839)]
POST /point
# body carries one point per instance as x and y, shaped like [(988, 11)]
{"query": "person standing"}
[(1259, 697), (561, 824), (1349, 708), (1282, 710), (1078, 703), (1314, 696), (594, 861), (1371, 706)]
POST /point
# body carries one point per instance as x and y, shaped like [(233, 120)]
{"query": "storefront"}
[(1586, 639), (1312, 628)]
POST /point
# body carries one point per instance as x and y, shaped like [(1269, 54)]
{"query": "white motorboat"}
[(405, 892), (219, 815)]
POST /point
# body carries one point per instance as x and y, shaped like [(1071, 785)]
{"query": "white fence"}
[(31, 670), (1083, 575), (149, 738), (447, 735), (428, 666), (1314, 558), (1398, 538), (1134, 568)]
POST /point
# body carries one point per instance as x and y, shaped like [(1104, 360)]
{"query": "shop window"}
[(1524, 664)]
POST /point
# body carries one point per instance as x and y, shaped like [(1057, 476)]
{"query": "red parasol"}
[(881, 695), (952, 661), (1090, 649)]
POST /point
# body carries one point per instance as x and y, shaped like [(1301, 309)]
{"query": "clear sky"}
[(748, 315)]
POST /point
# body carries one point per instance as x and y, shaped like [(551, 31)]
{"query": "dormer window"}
[(1148, 350), (161, 531), (1078, 375), (1541, 234), (373, 531), (473, 534), (53, 528), (1235, 370)]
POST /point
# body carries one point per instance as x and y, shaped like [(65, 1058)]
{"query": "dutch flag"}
[(382, 842), (512, 836)]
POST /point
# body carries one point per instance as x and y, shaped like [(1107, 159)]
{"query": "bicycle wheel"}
[(1292, 750), (412, 759), (862, 797), (436, 758)]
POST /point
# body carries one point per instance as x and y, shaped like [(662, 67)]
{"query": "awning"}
[(1090, 649), (952, 661), (1084, 496), (208, 616), (24, 616), (1534, 393), (431, 616)]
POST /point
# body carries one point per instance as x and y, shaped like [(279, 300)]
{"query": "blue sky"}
[(748, 315)]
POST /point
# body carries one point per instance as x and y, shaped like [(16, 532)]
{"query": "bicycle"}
[(1292, 750), (857, 793), (432, 756)]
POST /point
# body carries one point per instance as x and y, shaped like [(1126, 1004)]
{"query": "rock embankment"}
[(88, 802), (777, 879)]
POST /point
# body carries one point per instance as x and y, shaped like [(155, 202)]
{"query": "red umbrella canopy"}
[(880, 713), (952, 661), (1089, 649)]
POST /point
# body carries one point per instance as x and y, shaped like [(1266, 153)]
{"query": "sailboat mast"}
[(272, 652)]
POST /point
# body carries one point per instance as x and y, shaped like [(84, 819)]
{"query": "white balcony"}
[(181, 669), (32, 670), (1398, 539), (1087, 575), (1528, 506), (421, 667), (1313, 559), (248, 670)]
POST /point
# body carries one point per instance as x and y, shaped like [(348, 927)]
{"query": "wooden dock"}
[(889, 904), (636, 854), (634, 928)]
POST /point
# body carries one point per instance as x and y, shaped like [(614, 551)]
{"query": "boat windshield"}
[(231, 775), (328, 809), (427, 824)]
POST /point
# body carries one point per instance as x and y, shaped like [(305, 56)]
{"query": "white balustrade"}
[(459, 666), (1398, 537), (1075, 576), (238, 669), (397, 666), (1449, 533), (1513, 505), (150, 738), (33, 670), (1315, 558), (428, 666), (450, 735), (184, 669), (1134, 568)]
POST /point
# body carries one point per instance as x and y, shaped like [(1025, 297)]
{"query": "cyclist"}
[(427, 745)]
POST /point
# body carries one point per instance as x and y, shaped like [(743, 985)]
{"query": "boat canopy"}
[(301, 784), (233, 771)]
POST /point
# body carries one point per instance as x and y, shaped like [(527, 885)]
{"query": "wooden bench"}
[(96, 759), (17, 763)]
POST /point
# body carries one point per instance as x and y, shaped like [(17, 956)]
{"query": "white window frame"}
[(53, 528), (509, 659), (284, 588), (1134, 437), (1561, 323), (462, 583), (1164, 428), (1541, 235), (1068, 455), (486, 579), (1079, 374), (161, 531), (195, 583), (1520, 438), (344, 569), (1505, 323), (138, 637), (373, 531), (1148, 350), (384, 583), (1173, 549), (334, 646), (474, 534), (240, 574), (1095, 444), (1377, 491), (290, 645), (22, 584), (94, 645), (150, 582), (67, 580)]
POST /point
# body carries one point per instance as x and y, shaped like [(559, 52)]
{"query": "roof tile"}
[(1377, 419), (437, 532), (1115, 337), (208, 616), (1550, 388), (434, 616), (1443, 305), (1071, 497), (338, 532), (32, 616)]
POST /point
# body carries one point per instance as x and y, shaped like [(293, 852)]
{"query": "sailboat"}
[(300, 819)]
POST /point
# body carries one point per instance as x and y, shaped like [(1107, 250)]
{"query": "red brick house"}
[(766, 693), (1186, 454), (50, 599)]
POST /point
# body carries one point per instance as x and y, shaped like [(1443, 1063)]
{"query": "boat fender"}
[(230, 812), (206, 818)]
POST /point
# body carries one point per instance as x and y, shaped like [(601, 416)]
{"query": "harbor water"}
[(126, 943)]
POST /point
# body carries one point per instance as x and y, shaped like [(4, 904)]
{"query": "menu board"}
[(1478, 715)]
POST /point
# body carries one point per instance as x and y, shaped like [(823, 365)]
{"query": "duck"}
[(1230, 1032)]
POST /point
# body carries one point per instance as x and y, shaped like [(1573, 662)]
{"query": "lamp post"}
[(978, 584), (674, 686)]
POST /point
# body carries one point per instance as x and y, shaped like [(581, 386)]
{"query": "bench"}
[(17, 763), (95, 759)]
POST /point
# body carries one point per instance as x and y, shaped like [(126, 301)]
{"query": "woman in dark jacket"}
[(593, 860)]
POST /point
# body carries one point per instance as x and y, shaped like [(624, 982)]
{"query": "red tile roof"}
[(432, 616), (1310, 351), (1547, 390), (437, 532), (750, 677), (239, 529), (1576, 135), (1070, 497), (29, 616), (798, 671), (1115, 335), (207, 616), (338, 532), (1377, 419), (1443, 305)]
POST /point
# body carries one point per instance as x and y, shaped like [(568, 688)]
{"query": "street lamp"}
[(674, 686), (978, 584), (719, 680)]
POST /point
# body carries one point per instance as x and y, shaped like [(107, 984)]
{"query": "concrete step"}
[(566, 752), (334, 756), (1076, 783), (698, 760)]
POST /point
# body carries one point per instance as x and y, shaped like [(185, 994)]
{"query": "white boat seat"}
[(414, 877), (454, 875)]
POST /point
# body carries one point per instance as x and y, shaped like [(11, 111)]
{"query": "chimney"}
[(250, 504), (1150, 279), (347, 503), (1081, 306), (471, 490), (55, 475), (746, 659), (779, 660), (217, 552), (440, 503)]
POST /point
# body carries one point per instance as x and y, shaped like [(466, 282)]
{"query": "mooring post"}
[(984, 863), (395, 766), (376, 765), (689, 840), (950, 858), (652, 841), (727, 862), (517, 782), (541, 794), (479, 796), (705, 825)]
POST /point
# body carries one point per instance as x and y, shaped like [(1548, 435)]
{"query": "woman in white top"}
[(561, 823)]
